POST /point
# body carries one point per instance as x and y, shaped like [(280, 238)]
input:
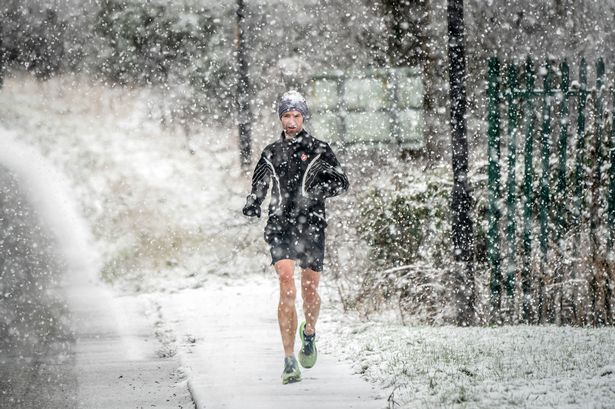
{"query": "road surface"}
[(65, 340)]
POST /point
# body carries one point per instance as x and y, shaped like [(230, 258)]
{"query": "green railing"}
[(560, 266)]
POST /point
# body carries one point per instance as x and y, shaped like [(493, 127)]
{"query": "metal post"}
[(526, 284), (560, 198), (611, 194), (597, 156), (511, 195), (579, 183), (598, 281), (579, 172), (545, 153), (611, 218)]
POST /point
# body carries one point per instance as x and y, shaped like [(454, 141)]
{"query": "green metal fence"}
[(550, 231)]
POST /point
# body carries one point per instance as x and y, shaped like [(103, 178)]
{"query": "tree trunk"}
[(2, 53), (461, 201), (244, 114)]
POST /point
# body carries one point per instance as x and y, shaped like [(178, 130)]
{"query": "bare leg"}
[(311, 300), (287, 313)]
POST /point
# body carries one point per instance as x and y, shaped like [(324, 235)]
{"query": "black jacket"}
[(303, 172)]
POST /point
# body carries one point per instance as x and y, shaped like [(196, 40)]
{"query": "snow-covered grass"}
[(503, 367), (158, 211), (165, 219)]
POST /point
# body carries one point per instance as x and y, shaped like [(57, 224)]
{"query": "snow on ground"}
[(167, 222), (226, 335)]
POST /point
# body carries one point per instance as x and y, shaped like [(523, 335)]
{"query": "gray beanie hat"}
[(292, 100)]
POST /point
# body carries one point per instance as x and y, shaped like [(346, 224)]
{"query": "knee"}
[(286, 278), (287, 284)]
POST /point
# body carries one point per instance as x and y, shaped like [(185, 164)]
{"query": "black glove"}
[(252, 207), (317, 191), (321, 185)]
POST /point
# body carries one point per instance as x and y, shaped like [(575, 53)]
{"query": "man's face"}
[(292, 122)]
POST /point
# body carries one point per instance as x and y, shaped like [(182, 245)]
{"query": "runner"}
[(303, 171)]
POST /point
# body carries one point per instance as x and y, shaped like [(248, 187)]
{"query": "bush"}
[(406, 227), (31, 38), (146, 43), (407, 231)]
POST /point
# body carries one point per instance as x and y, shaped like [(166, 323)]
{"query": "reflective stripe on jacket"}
[(303, 172)]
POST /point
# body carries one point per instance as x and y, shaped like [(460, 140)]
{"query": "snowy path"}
[(116, 360), (35, 360), (66, 340), (229, 343)]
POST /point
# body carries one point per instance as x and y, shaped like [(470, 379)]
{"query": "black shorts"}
[(303, 242)]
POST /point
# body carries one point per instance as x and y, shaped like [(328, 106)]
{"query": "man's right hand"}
[(251, 209)]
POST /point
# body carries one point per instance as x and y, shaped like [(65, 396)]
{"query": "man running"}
[(303, 171)]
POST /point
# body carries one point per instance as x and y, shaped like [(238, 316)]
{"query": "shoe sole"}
[(292, 379), (301, 328)]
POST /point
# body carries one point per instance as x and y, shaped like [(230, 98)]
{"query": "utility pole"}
[(461, 200), (244, 114)]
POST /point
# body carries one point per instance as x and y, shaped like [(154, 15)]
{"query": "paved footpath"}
[(67, 341), (229, 343)]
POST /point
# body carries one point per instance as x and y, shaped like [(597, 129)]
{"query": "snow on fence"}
[(550, 219)]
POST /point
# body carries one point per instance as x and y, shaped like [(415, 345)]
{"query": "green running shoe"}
[(308, 353), (291, 370)]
